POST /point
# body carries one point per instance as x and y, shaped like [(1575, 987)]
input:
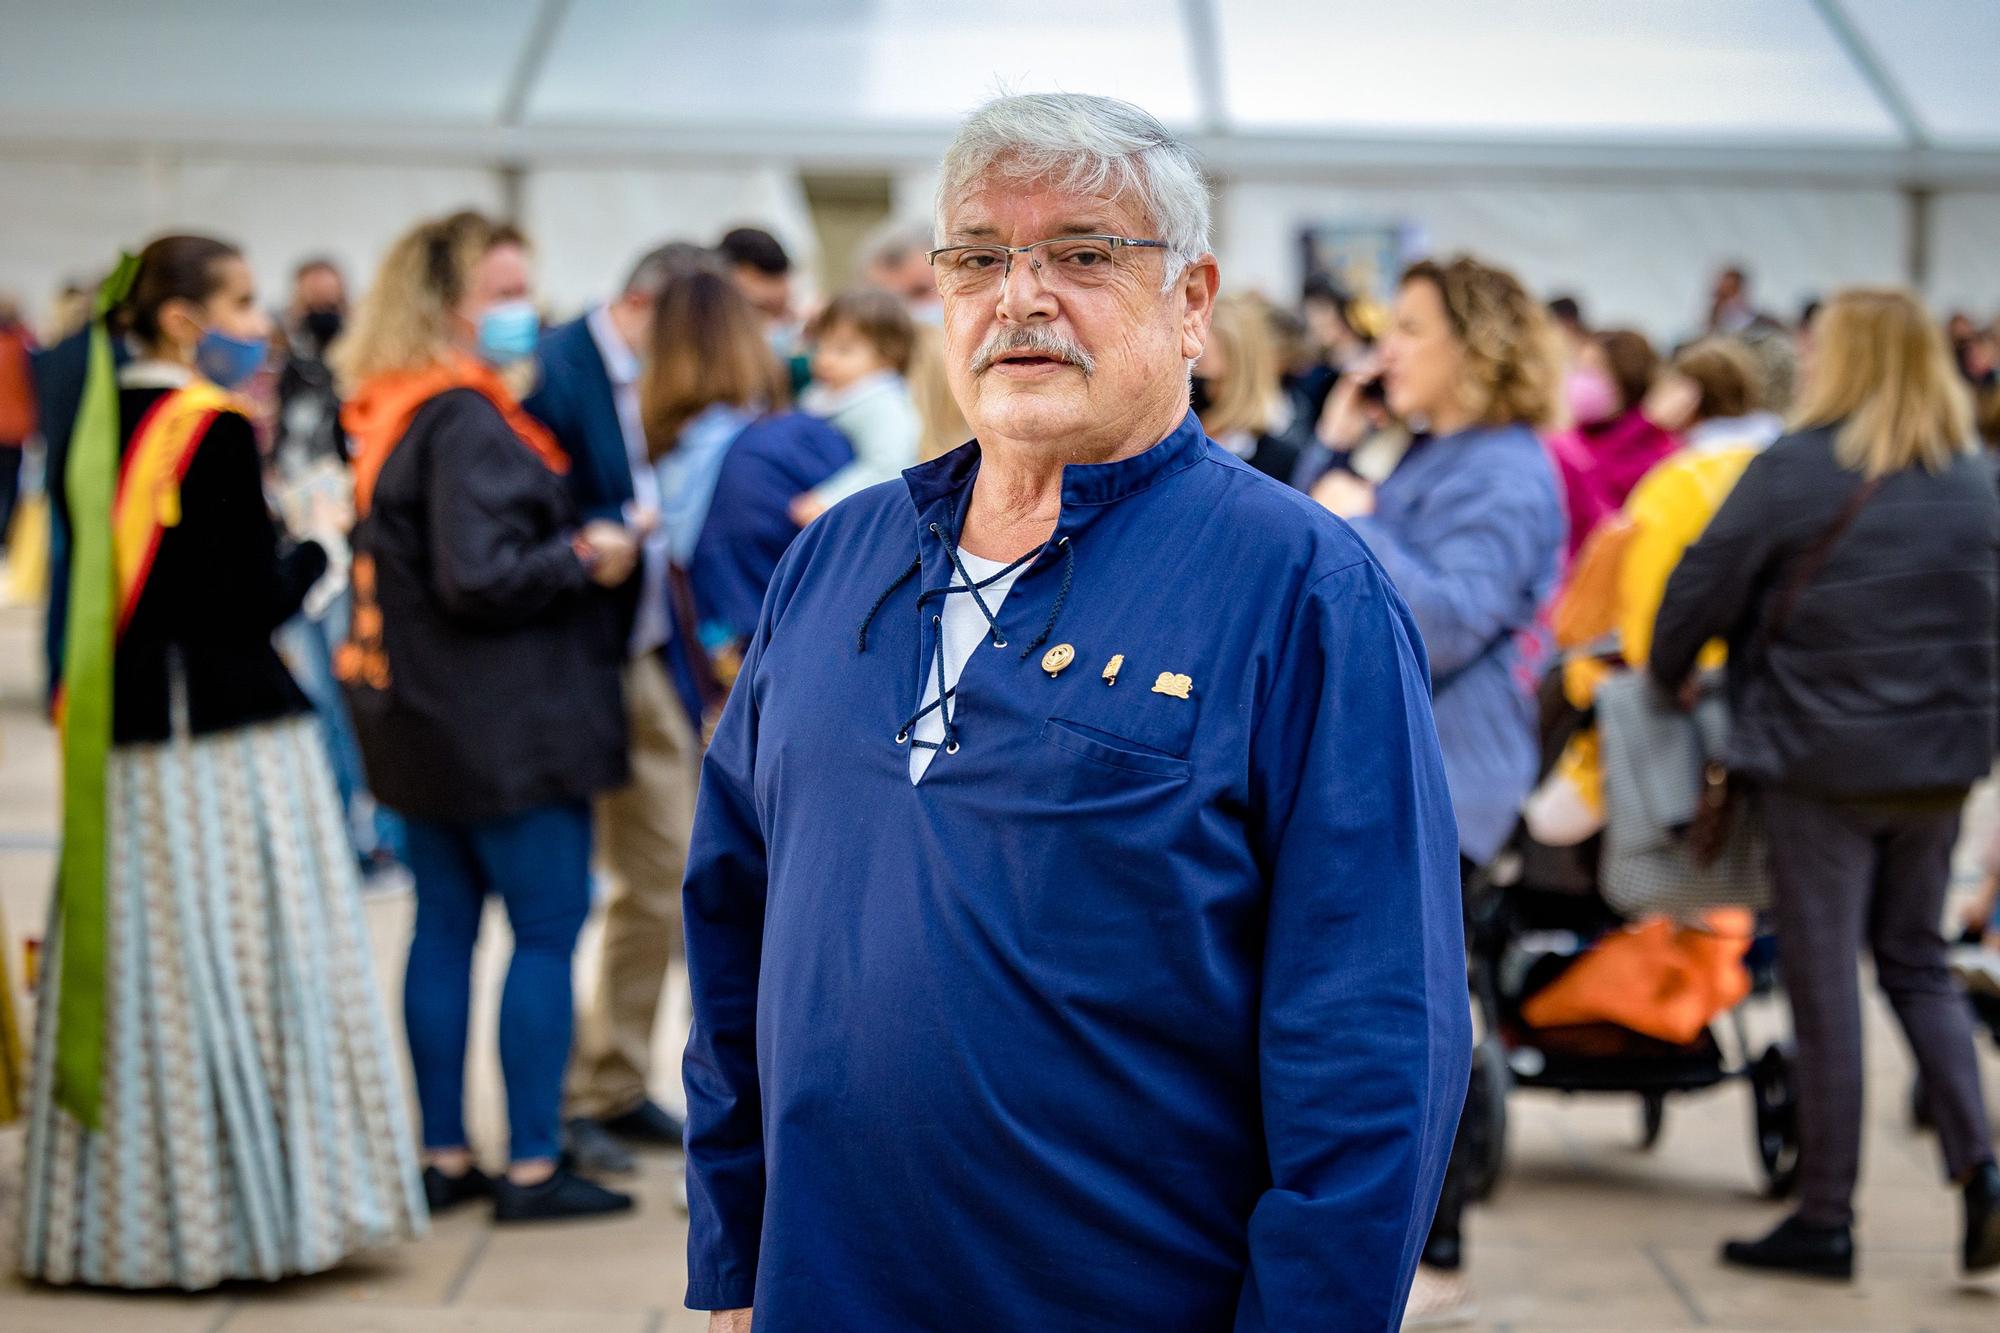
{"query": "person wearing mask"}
[(1612, 443), (1710, 396), (215, 1095), (483, 673), (1469, 527), (893, 258), (862, 345), (1237, 391), (17, 409), (587, 394), (1855, 571), (730, 464), (308, 476), (762, 271)]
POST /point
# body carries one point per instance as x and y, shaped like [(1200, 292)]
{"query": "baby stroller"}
[(1530, 915)]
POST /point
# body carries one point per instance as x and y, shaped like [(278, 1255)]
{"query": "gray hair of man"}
[(662, 264), (1088, 145)]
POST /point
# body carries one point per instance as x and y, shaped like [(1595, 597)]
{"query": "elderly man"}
[(1073, 910)]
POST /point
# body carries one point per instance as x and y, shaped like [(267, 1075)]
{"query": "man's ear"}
[(1198, 284)]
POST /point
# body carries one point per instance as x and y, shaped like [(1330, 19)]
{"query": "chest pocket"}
[(1128, 726)]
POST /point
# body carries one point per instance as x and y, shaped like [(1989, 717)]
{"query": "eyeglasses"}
[(1064, 263)]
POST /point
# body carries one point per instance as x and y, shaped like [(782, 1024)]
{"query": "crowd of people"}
[(418, 580)]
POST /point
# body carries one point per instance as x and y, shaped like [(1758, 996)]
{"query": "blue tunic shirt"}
[(1140, 1011)]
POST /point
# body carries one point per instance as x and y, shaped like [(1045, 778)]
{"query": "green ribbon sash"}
[(90, 481)]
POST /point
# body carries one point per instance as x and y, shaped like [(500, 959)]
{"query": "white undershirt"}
[(964, 631)]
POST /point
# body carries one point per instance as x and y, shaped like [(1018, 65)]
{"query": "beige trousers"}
[(642, 837)]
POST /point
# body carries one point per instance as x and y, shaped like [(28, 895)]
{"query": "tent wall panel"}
[(589, 225), (1635, 254), (1965, 252), (70, 218)]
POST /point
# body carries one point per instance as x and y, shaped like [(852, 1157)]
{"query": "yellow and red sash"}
[(148, 499)]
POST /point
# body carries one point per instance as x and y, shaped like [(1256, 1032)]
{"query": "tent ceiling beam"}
[(532, 59), (834, 146), (1874, 71)]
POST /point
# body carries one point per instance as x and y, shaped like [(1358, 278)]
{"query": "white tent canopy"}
[(1619, 147)]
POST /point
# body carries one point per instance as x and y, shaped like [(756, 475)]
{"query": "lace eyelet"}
[(902, 738), (951, 748), (999, 643)]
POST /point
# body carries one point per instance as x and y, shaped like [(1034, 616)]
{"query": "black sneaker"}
[(1797, 1247), (648, 1124), (591, 1150), (445, 1193), (1981, 1251), (563, 1195)]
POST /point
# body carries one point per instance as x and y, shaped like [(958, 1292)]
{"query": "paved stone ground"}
[(1585, 1232)]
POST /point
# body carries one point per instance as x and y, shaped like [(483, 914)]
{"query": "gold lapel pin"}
[(1175, 685), (1112, 668), (1058, 657)]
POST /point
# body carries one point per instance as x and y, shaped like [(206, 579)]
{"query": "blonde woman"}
[(1854, 570), (484, 679), (1239, 391)]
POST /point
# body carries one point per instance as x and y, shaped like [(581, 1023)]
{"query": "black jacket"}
[(222, 580), (1882, 680), (503, 686)]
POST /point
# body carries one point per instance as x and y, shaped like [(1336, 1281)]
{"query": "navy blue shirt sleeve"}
[(723, 916), (1365, 1030)]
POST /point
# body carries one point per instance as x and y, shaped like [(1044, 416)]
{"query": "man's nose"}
[(1024, 297)]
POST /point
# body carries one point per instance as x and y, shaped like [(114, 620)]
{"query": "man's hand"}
[(729, 1321)]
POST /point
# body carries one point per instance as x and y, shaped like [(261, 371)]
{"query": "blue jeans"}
[(538, 862)]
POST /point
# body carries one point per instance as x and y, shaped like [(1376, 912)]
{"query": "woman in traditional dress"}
[(214, 1094)]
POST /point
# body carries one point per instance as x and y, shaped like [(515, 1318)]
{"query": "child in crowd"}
[(861, 348)]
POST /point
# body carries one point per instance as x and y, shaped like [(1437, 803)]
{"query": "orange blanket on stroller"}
[(1659, 978)]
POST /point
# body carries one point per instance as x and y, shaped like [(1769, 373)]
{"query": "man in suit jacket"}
[(588, 396)]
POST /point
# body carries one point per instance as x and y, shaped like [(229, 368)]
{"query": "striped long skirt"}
[(253, 1121)]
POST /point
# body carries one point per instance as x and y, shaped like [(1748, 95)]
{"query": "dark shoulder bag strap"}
[(1811, 561)]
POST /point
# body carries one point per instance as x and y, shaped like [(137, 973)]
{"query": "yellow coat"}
[(1621, 577)]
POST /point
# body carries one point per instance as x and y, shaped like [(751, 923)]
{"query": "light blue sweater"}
[(1470, 527)]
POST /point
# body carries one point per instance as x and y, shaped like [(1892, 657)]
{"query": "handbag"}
[(1682, 833), (1659, 763)]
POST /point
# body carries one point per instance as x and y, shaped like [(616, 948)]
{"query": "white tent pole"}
[(1868, 63), (1203, 34), (533, 58)]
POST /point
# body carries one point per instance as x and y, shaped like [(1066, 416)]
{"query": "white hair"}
[(1088, 145)]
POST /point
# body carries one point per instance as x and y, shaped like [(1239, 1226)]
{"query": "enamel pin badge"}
[(1113, 667), (1176, 685), (1058, 657)]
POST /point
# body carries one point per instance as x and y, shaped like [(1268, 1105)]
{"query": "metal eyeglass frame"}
[(1007, 270)]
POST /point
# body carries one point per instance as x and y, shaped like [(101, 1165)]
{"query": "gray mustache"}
[(1035, 339)]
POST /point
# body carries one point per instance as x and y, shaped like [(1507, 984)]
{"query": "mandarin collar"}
[(1083, 484)]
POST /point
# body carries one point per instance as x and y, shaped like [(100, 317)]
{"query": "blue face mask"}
[(230, 361), (508, 331)]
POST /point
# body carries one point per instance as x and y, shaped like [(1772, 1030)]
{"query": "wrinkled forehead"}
[(1012, 212)]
